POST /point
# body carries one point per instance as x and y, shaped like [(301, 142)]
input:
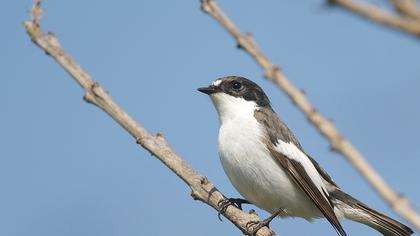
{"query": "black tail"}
[(357, 211)]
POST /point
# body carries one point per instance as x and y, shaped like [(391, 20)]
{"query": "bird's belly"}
[(259, 179)]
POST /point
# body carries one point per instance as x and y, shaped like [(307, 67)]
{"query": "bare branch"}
[(376, 14), (407, 8), (201, 188), (338, 143)]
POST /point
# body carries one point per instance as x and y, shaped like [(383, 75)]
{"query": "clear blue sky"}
[(68, 169)]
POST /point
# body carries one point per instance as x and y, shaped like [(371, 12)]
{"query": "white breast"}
[(247, 162)]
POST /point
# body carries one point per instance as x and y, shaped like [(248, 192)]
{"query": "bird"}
[(269, 167)]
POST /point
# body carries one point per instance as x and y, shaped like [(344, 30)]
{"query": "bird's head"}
[(233, 96)]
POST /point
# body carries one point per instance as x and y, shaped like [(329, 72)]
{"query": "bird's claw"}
[(257, 225), (226, 202)]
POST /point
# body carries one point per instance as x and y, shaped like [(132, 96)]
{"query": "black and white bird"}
[(269, 168)]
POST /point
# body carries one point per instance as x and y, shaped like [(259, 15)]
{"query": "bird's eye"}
[(236, 85)]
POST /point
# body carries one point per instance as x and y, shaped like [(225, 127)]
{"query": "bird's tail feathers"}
[(355, 210)]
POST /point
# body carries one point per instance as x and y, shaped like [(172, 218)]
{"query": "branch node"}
[(270, 74), (400, 202), (94, 87), (204, 180), (47, 53), (252, 212), (159, 135), (205, 6), (88, 97), (194, 195), (250, 38), (336, 143), (139, 140), (313, 111), (245, 38), (91, 94)]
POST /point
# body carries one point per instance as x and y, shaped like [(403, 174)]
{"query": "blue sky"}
[(68, 169)]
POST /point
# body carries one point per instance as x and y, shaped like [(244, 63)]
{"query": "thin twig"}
[(378, 15), (338, 143), (201, 188)]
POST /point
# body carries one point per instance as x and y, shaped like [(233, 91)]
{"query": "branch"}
[(405, 24), (338, 143), (407, 8), (202, 189)]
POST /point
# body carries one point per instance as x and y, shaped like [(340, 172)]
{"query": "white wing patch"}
[(293, 152)]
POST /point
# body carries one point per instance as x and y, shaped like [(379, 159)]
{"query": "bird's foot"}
[(257, 225), (224, 203)]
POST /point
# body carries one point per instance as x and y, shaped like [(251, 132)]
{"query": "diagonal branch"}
[(407, 8), (338, 143), (202, 189), (408, 25)]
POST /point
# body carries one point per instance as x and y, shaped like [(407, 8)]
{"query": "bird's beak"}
[(208, 90)]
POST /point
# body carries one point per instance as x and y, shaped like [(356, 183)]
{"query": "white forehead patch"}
[(217, 82)]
